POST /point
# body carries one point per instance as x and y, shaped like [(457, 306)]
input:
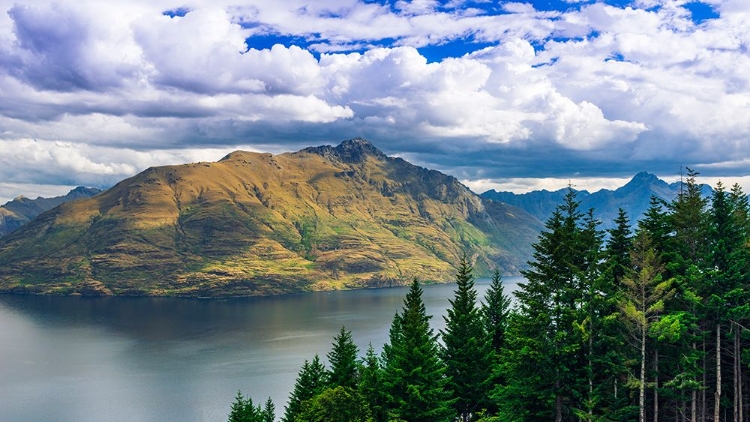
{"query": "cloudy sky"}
[(501, 94)]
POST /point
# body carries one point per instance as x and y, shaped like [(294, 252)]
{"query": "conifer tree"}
[(311, 381), (414, 376), (738, 297), (645, 292), (466, 347), (269, 411), (618, 247), (545, 361), (243, 410), (371, 385), (343, 361), (495, 311)]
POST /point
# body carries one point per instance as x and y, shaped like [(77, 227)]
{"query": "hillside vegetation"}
[(256, 224)]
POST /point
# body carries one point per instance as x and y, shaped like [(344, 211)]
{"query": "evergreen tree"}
[(738, 297), (686, 260), (618, 248), (610, 357), (545, 364), (343, 361), (495, 312), (644, 295), (371, 386), (269, 411), (243, 410), (466, 349), (414, 376), (310, 382)]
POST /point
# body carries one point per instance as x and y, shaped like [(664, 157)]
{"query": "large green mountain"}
[(21, 210), (254, 224)]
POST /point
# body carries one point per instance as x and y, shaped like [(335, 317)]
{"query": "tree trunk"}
[(558, 402), (735, 373), (739, 374), (642, 386), (656, 386), (694, 399), (717, 392), (704, 409), (591, 370)]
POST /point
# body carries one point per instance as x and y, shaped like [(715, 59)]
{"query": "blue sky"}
[(513, 95)]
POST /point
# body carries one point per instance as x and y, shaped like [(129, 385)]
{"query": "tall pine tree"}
[(466, 348), (311, 381), (545, 364), (496, 311), (342, 358), (414, 376), (371, 386)]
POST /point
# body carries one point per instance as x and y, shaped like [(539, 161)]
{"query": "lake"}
[(167, 359)]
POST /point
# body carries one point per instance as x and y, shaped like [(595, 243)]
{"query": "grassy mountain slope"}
[(251, 224), (21, 210)]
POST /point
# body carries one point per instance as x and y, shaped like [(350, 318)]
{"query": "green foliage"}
[(311, 381), (495, 312), (243, 410), (466, 350), (340, 404), (414, 376), (371, 386), (344, 370), (598, 332)]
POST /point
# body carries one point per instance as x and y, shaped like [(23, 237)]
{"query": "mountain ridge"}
[(634, 197), (21, 210), (255, 223)]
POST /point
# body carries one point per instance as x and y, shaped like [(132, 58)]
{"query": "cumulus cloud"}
[(90, 93)]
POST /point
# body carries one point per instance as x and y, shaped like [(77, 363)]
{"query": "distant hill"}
[(634, 197), (21, 210), (256, 224)]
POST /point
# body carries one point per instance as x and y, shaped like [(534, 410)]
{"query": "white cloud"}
[(100, 87)]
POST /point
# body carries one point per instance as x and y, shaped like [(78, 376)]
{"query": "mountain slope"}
[(21, 210), (634, 197), (321, 218)]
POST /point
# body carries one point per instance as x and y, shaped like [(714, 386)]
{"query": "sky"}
[(510, 95)]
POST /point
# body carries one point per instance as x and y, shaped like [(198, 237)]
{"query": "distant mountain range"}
[(634, 198), (256, 224), (21, 210)]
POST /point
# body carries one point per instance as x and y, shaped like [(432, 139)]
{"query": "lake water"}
[(165, 359)]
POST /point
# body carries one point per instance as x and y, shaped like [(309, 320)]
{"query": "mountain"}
[(21, 210), (634, 198), (255, 224)]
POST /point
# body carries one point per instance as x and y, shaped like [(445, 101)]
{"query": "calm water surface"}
[(162, 359)]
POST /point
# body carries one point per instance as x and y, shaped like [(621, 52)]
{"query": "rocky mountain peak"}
[(351, 151)]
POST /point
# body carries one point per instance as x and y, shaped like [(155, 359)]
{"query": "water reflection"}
[(157, 359)]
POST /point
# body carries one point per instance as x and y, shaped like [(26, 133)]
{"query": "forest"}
[(643, 322)]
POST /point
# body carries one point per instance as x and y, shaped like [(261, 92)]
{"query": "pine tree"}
[(495, 312), (243, 410), (414, 377), (466, 348), (371, 386), (644, 295), (311, 381), (618, 247), (545, 363), (738, 297), (269, 411), (343, 361)]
